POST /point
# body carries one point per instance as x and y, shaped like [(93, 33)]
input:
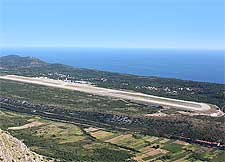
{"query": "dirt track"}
[(135, 96)]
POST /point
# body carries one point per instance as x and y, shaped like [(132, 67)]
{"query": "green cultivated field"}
[(64, 142), (68, 142)]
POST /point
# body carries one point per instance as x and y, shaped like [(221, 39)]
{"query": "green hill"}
[(14, 62)]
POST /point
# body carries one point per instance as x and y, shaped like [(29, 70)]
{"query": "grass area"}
[(158, 148), (9, 119), (173, 147), (72, 100), (102, 135), (220, 156), (68, 142), (62, 141)]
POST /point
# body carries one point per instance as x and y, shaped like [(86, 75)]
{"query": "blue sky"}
[(113, 23)]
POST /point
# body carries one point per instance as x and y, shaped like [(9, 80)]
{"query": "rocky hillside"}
[(12, 149)]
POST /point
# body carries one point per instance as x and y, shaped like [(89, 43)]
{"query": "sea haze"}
[(197, 65)]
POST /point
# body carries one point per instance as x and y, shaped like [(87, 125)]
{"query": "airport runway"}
[(135, 96)]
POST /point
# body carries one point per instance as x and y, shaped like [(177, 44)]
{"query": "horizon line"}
[(100, 47)]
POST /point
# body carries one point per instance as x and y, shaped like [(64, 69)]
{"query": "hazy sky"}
[(113, 23)]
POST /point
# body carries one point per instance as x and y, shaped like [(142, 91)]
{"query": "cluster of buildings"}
[(173, 91)]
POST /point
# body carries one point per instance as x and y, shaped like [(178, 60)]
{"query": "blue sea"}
[(197, 65)]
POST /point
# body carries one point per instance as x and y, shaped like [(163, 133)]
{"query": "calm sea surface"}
[(206, 66)]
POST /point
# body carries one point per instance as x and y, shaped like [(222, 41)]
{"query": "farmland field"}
[(69, 142)]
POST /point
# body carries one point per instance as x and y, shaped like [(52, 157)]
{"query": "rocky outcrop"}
[(14, 150)]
